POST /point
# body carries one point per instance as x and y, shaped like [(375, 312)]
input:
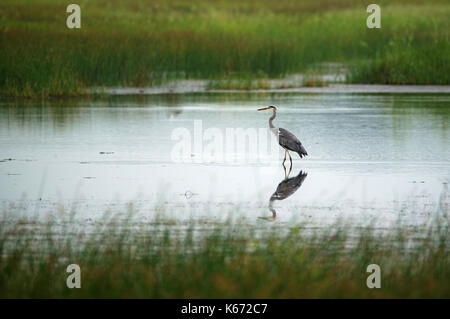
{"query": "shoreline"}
[(196, 87), (179, 87)]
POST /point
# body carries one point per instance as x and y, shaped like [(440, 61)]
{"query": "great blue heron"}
[(286, 139)]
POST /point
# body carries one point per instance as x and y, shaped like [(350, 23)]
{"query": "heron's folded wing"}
[(290, 141)]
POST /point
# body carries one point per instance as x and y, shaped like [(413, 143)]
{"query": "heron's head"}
[(268, 108)]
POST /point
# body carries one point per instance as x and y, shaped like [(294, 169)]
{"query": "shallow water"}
[(370, 155)]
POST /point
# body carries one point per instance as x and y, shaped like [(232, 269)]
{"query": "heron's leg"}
[(285, 175), (285, 150), (290, 158), (290, 169)]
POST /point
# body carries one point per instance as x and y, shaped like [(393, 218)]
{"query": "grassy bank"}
[(162, 259), (145, 43)]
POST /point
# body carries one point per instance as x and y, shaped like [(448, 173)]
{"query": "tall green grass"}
[(126, 257), (142, 43)]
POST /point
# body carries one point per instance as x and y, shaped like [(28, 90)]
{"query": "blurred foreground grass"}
[(125, 257), (142, 43)]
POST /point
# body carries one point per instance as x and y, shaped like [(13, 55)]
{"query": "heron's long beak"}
[(264, 109)]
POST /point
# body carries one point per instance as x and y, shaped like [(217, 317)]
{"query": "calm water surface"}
[(382, 155)]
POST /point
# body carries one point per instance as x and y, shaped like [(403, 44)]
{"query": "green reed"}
[(136, 43), (162, 257)]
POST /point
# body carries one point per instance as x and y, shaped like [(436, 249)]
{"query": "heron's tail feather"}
[(302, 152)]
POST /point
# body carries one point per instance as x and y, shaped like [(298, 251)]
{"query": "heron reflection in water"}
[(286, 188)]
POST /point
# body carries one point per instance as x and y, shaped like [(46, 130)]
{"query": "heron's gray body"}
[(289, 141)]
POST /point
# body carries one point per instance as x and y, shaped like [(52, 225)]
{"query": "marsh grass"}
[(121, 256), (313, 79), (402, 65), (140, 43)]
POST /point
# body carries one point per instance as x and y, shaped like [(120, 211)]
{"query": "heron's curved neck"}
[(272, 118), (274, 212)]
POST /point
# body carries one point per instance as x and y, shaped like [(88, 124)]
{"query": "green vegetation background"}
[(141, 43)]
